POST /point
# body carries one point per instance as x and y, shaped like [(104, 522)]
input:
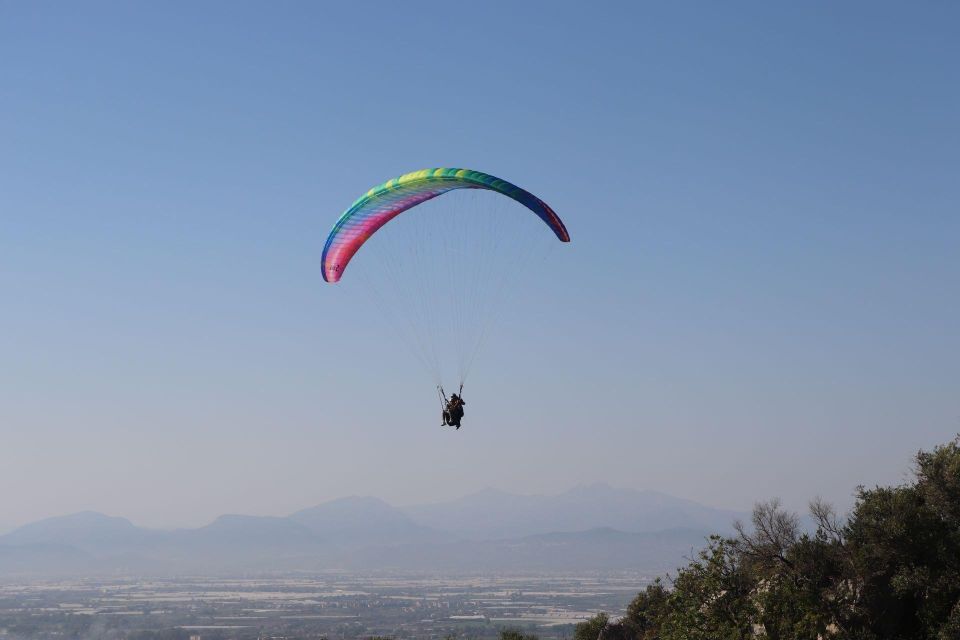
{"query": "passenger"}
[(453, 413)]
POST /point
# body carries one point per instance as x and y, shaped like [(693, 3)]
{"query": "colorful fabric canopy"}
[(384, 202)]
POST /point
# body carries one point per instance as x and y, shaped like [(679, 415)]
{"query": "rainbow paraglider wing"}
[(381, 204)]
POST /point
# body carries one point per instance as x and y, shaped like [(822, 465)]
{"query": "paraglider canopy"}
[(382, 203), (436, 276)]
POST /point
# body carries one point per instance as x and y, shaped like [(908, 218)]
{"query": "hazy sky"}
[(761, 295)]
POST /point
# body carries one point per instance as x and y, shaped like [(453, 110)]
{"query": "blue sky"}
[(760, 297)]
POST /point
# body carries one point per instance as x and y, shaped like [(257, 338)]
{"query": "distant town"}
[(310, 607)]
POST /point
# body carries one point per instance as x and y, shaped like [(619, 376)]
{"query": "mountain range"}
[(497, 514), (595, 527)]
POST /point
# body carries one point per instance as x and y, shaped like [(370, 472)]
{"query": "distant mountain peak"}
[(493, 514), (361, 519), (355, 507), (87, 529), (78, 520)]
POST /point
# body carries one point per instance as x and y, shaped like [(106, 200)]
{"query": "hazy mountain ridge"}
[(490, 530), (364, 521), (88, 531), (496, 514), (592, 550)]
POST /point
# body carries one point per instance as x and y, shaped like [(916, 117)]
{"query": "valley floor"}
[(314, 606)]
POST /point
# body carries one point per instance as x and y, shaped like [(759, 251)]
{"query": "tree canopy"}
[(890, 569)]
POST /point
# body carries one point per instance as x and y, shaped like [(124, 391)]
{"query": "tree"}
[(644, 616), (711, 596), (891, 570), (905, 545), (590, 629)]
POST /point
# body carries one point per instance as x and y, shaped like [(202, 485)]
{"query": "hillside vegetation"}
[(889, 570)]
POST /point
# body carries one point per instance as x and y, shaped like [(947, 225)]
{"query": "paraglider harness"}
[(452, 408)]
